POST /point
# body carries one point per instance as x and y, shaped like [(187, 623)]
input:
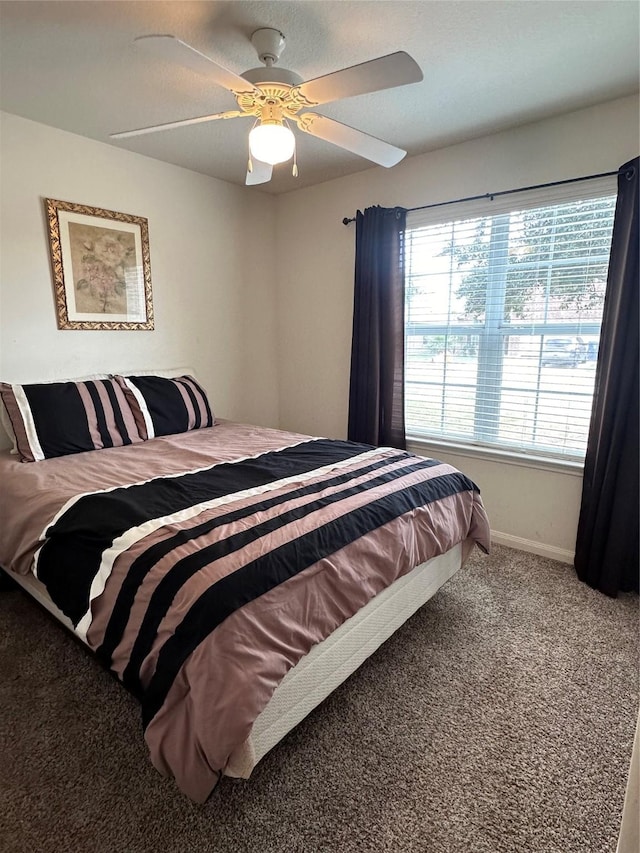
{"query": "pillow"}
[(5, 421), (163, 406), (60, 418)]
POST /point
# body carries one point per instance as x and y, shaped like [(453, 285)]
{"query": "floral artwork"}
[(101, 267), (99, 259)]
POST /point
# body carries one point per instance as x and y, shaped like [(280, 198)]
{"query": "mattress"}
[(329, 663)]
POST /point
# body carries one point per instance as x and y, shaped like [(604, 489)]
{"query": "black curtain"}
[(607, 544), (376, 392)]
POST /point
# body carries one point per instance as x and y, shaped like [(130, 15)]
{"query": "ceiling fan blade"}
[(260, 174), (182, 123), (396, 69), (353, 140), (172, 49)]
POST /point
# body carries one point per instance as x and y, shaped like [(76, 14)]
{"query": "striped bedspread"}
[(201, 588)]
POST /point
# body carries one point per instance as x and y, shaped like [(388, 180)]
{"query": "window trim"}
[(424, 445)]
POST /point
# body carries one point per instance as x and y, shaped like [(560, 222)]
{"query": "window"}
[(503, 314)]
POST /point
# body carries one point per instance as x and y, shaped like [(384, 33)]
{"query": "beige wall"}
[(212, 266), (529, 507)]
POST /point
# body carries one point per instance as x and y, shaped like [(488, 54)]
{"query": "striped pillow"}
[(164, 406), (60, 418)]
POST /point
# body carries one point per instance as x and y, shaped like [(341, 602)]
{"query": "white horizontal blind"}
[(503, 315)]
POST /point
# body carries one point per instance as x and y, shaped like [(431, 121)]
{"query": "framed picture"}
[(101, 267)]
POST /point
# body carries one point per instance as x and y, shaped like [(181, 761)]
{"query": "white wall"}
[(315, 288), (212, 267)]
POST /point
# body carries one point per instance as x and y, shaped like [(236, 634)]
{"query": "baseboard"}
[(532, 547)]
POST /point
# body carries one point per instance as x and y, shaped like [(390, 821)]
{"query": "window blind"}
[(504, 305)]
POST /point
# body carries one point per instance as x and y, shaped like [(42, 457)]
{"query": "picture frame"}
[(101, 267)]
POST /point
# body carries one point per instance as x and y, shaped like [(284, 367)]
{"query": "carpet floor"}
[(500, 718)]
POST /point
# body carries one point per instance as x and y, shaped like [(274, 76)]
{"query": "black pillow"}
[(59, 418), (163, 406)]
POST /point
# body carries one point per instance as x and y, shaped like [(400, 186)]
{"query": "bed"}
[(232, 576)]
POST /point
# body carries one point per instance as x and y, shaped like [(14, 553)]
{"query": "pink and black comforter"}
[(201, 567)]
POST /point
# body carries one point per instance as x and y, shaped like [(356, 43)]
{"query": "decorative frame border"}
[(61, 281)]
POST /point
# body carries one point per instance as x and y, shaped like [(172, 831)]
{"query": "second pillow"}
[(163, 406)]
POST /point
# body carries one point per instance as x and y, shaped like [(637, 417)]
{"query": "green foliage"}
[(433, 344), (578, 230)]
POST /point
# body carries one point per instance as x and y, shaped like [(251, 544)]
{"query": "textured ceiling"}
[(487, 66)]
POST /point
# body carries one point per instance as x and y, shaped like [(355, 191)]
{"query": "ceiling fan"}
[(276, 98)]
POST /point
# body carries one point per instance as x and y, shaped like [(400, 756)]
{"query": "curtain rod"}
[(491, 196)]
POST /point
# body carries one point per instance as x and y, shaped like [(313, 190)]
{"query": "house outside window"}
[(504, 307)]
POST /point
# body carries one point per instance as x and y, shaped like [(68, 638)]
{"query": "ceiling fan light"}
[(272, 143)]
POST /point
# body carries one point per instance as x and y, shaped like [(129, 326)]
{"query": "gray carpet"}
[(500, 718)]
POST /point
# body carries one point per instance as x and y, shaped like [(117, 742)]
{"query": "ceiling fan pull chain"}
[(294, 170)]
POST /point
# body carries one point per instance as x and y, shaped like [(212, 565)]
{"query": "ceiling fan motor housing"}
[(269, 44), (272, 74)]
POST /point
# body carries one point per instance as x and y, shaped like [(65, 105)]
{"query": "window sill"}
[(423, 445)]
